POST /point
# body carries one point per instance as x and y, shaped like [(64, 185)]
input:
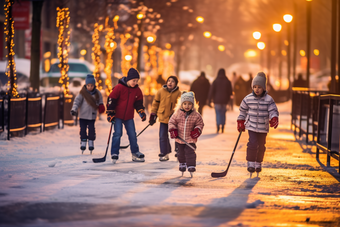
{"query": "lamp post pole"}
[(309, 7), (277, 28), (295, 42), (268, 53), (333, 87)]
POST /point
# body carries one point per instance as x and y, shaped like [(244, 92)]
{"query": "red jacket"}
[(124, 99)]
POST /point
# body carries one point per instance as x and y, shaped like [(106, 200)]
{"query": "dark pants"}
[(186, 154), (84, 125), (256, 146), (164, 143)]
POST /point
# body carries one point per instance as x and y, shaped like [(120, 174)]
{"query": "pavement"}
[(294, 188)]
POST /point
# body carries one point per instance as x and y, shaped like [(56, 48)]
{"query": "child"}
[(257, 111), (163, 106), (124, 98), (88, 101), (186, 123)]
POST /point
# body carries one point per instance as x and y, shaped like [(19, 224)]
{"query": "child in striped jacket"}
[(187, 124), (258, 111)]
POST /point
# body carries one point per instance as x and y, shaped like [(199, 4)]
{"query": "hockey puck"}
[(84, 161)]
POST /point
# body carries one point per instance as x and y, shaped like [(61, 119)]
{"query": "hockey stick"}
[(186, 143), (223, 174), (124, 147), (96, 160)]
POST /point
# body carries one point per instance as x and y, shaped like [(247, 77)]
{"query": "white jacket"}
[(257, 111)]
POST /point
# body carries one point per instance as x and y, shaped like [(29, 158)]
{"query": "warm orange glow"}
[(288, 18), (200, 19), (261, 45), (277, 27), (207, 34), (150, 39), (250, 53), (316, 52), (302, 53), (221, 48), (257, 35), (140, 16), (83, 52), (284, 53), (168, 46), (128, 57)]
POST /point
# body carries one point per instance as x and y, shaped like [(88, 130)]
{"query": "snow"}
[(46, 181)]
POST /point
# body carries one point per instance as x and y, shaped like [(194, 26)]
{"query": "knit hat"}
[(188, 96), (261, 80), (132, 74), (90, 79), (174, 78)]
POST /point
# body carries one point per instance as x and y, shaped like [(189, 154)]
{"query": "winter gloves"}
[(274, 122), (241, 126), (111, 116), (101, 108), (173, 133), (152, 119), (142, 114), (73, 113), (195, 133)]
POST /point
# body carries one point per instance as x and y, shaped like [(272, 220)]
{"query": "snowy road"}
[(45, 182)]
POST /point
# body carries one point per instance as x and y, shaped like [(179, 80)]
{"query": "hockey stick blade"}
[(223, 174), (124, 147), (103, 159)]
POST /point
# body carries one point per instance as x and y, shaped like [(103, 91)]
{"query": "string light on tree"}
[(110, 46), (96, 54), (9, 32), (63, 21)]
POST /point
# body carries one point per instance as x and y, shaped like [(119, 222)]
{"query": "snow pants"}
[(256, 146), (186, 154), (84, 125)]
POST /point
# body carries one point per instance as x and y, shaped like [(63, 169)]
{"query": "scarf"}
[(89, 98)]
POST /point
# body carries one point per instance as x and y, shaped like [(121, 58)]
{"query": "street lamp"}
[(277, 28), (257, 35), (288, 18), (207, 34), (200, 19), (221, 48)]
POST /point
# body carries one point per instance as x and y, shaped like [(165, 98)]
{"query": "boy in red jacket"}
[(124, 98)]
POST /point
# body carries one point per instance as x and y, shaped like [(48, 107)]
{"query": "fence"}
[(305, 106), (34, 111), (329, 127)]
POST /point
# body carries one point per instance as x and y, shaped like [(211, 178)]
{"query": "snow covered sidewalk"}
[(45, 181)]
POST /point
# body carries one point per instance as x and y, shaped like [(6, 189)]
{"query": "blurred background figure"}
[(201, 87), (248, 83), (219, 94), (160, 80), (300, 82), (240, 90)]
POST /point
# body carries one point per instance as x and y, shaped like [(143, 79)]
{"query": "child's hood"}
[(165, 87), (123, 81)]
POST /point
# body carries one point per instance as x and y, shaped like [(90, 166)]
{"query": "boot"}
[(251, 167), (83, 145), (222, 128), (218, 128), (91, 145), (258, 167), (138, 157)]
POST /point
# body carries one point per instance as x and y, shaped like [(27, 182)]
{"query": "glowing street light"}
[(257, 35), (128, 57), (261, 45), (207, 34), (288, 18), (221, 48), (150, 39), (200, 19), (277, 27)]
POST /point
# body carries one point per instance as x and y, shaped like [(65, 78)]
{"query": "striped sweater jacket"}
[(257, 111)]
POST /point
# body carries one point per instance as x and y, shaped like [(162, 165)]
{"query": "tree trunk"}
[(35, 45)]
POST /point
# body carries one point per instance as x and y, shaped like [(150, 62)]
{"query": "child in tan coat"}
[(187, 124)]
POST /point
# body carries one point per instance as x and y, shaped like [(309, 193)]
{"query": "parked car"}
[(22, 73)]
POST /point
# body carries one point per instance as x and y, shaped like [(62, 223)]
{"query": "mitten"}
[(241, 126), (111, 116), (152, 119), (173, 133), (274, 122), (142, 114), (195, 133), (101, 108), (73, 113)]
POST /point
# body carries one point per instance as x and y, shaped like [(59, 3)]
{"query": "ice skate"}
[(182, 167), (191, 170), (163, 157), (83, 145), (251, 168), (138, 157), (258, 168), (91, 146), (114, 158)]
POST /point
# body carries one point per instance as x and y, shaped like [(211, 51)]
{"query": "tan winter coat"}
[(185, 124), (164, 103)]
